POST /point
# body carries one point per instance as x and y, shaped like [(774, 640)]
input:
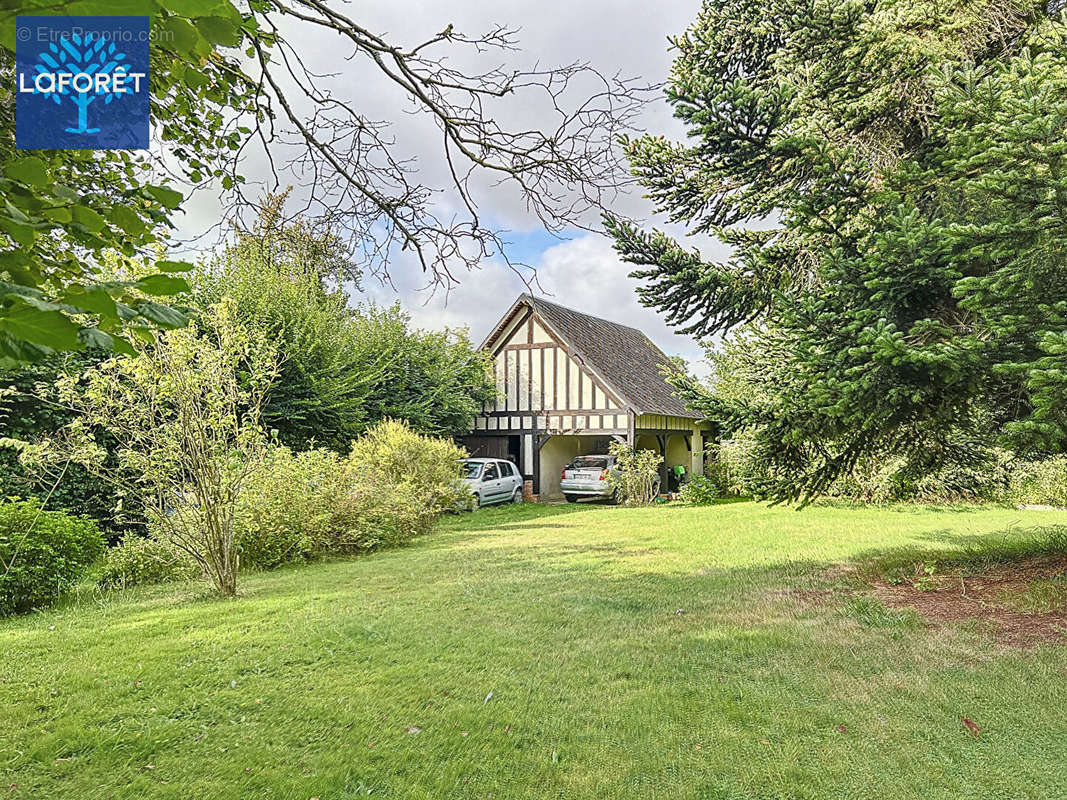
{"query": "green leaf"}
[(219, 31), (29, 170), (162, 285), (61, 214), (161, 315), (194, 8), (126, 313), (20, 268), (15, 212), (178, 34), (195, 80), (127, 220), (169, 198), (120, 345), (94, 337), (14, 288), (145, 334), (119, 8), (93, 300), (20, 233), (88, 218), (35, 321), (174, 266), (15, 351), (66, 193)]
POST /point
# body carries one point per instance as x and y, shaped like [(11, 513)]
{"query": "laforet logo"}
[(82, 83)]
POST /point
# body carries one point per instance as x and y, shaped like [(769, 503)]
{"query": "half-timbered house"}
[(568, 384)]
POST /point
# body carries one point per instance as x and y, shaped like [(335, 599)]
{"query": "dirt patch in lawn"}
[(1022, 603)]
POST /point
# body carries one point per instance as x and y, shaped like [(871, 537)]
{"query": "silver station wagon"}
[(587, 476), (491, 480)]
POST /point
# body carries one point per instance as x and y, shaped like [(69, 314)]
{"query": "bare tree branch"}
[(349, 168)]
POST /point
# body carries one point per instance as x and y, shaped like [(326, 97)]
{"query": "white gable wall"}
[(535, 372), (540, 335)]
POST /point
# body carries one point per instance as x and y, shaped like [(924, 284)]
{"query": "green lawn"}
[(533, 652)]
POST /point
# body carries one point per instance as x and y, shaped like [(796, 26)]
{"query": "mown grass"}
[(545, 652)]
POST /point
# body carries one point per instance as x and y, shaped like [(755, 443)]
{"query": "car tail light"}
[(603, 474), (563, 474)]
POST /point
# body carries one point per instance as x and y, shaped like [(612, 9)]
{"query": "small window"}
[(490, 473), (506, 470)]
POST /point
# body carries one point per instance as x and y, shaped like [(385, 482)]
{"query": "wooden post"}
[(664, 487), (697, 453)]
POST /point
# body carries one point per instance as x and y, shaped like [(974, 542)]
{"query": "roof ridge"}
[(537, 299)]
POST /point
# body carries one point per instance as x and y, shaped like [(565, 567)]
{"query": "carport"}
[(568, 384)]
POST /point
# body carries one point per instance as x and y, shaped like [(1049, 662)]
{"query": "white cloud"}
[(584, 273), (623, 36)]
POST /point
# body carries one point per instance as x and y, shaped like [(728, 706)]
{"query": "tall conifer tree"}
[(891, 175)]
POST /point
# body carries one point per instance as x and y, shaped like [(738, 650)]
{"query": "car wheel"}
[(477, 502), (517, 496), (571, 498), (616, 497)]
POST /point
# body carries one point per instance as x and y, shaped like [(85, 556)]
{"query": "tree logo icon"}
[(78, 55), (88, 63)]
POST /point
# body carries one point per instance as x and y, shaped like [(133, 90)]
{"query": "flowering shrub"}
[(700, 491)]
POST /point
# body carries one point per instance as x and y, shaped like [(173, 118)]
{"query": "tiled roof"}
[(620, 355)]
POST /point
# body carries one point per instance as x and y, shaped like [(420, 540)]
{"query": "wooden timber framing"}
[(562, 373)]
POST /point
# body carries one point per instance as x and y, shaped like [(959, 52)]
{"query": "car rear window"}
[(589, 462)]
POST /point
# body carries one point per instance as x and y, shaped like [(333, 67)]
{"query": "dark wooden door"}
[(486, 446)]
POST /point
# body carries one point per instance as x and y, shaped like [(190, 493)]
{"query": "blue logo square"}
[(81, 83)]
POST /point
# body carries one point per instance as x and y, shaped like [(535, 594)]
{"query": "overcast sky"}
[(582, 271)]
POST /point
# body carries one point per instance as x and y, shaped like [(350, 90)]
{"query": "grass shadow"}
[(965, 552), (500, 516)]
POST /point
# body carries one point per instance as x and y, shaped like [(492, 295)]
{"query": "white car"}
[(492, 480), (587, 476)]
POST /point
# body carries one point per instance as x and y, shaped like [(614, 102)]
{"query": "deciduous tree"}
[(227, 82), (342, 367), (184, 417)]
